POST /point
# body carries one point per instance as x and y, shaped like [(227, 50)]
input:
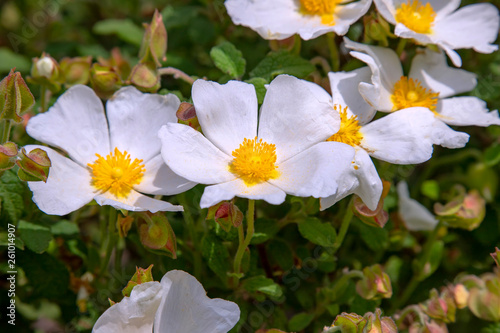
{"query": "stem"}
[(297, 44), (43, 98), (6, 130), (176, 73), (188, 219), (243, 245), (334, 52), (401, 46), (111, 239), (346, 221)]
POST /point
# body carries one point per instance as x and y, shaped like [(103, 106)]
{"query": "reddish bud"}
[(76, 70), (15, 97), (141, 276), (156, 233), (33, 166), (186, 111), (8, 155)]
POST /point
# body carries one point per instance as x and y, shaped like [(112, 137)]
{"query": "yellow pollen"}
[(416, 16), (254, 161), (349, 128), (323, 8), (409, 93), (116, 173)]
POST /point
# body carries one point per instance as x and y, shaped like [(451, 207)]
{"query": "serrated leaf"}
[(217, 256), (11, 190), (376, 239), (64, 228), (228, 59), (36, 237), (300, 321), (282, 62), (125, 29), (262, 284), (322, 234), (260, 87)]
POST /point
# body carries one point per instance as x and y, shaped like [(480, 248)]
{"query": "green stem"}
[(111, 239), (43, 98), (6, 131), (334, 52), (346, 221), (190, 226), (297, 45), (246, 241), (401, 46)]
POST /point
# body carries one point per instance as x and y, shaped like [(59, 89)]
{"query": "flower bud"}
[(186, 111), (465, 211), (15, 97), (145, 77), (484, 299), (226, 214), (156, 234), (76, 70), (496, 256), (33, 166), (154, 42), (377, 324), (45, 71), (8, 155), (141, 275), (369, 323), (104, 80), (428, 327), (440, 306), (377, 29), (123, 224), (375, 218), (460, 295), (375, 284), (484, 179), (348, 322)]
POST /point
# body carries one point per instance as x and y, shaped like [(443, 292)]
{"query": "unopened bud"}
[(15, 97), (484, 299), (465, 211), (496, 256), (440, 306), (8, 154), (104, 80), (145, 77), (154, 42), (186, 111), (33, 166), (461, 295), (123, 224), (141, 275), (375, 218), (375, 283), (45, 71), (156, 233), (76, 70), (226, 214)]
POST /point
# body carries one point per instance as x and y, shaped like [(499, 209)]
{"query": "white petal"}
[(293, 118), (237, 188), (387, 9), (67, 188), (454, 56), (386, 71), (76, 124), (443, 8), (466, 111), (227, 113), (160, 179), (134, 314), (431, 69), (190, 155), (361, 179), (444, 136), (473, 26), (347, 14), (187, 309), (135, 118), (136, 202), (403, 31), (315, 171), (402, 137), (345, 92), (415, 216)]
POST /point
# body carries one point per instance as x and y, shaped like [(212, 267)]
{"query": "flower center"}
[(323, 8), (349, 128), (416, 16), (409, 93), (116, 173), (254, 161)]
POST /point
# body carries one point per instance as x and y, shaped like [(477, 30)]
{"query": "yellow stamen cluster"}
[(409, 93), (323, 8), (116, 173), (254, 161), (349, 128), (416, 16)]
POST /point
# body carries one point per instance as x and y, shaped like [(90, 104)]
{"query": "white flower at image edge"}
[(280, 19), (282, 150), (109, 164), (414, 215), (439, 22), (177, 304)]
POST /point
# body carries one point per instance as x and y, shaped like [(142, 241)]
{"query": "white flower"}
[(111, 165), (399, 138), (414, 215), (258, 157), (280, 19), (430, 84), (177, 304), (439, 22)]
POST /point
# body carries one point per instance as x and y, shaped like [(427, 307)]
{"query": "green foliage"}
[(11, 200), (228, 59), (34, 236), (125, 29), (263, 285), (282, 62), (316, 232)]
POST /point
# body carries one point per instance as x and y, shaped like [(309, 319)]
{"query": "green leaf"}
[(11, 190), (260, 87), (282, 62), (228, 59), (35, 237), (265, 229), (125, 29), (300, 321), (11, 60), (64, 228), (47, 275), (377, 239), (430, 188), (262, 284), (322, 234), (281, 252), (217, 255), (176, 17), (492, 155)]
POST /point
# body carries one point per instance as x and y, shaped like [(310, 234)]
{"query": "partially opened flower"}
[(109, 164), (439, 22), (414, 215), (429, 84), (399, 138), (176, 304), (280, 19), (284, 150)]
